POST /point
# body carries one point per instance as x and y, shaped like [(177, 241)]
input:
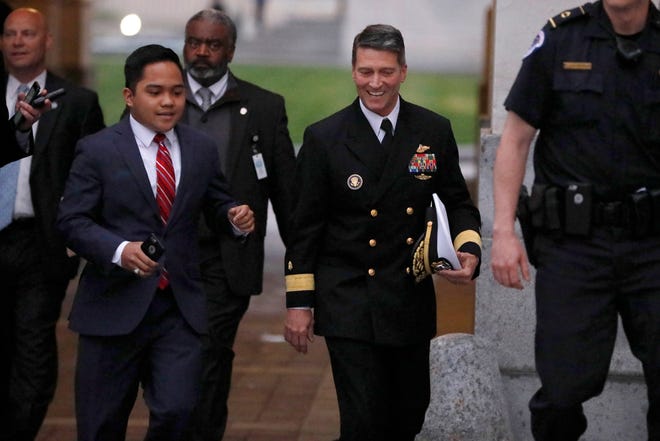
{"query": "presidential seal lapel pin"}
[(354, 182)]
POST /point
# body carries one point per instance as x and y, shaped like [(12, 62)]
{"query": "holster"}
[(524, 215)]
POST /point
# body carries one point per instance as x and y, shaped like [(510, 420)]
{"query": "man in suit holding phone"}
[(33, 259), (140, 321), (17, 142)]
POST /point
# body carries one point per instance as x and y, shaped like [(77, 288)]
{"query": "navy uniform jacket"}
[(599, 117), (352, 231)]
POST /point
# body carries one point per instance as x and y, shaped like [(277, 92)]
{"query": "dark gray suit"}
[(245, 121), (35, 265)]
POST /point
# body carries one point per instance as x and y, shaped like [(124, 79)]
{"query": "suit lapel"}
[(130, 153), (238, 121), (363, 142), (187, 170), (47, 122)]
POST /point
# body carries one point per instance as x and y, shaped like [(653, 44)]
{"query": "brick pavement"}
[(277, 394)]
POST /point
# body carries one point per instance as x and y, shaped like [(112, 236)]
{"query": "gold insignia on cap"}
[(290, 266), (421, 266), (354, 182), (422, 177), (423, 148)]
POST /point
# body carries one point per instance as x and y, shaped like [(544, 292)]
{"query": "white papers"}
[(445, 246)]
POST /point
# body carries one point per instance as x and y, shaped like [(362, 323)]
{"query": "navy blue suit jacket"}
[(108, 199)]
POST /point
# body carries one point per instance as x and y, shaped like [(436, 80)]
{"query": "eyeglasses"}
[(196, 43)]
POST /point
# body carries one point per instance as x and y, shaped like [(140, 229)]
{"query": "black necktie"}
[(386, 126)]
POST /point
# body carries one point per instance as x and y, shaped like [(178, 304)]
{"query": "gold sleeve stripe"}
[(467, 236), (299, 282)]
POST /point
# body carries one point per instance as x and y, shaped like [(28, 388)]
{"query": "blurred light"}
[(130, 25)]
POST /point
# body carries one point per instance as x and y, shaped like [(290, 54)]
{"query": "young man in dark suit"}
[(140, 319), (33, 259), (362, 193), (249, 126)]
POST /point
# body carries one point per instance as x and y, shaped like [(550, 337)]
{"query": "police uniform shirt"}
[(599, 117)]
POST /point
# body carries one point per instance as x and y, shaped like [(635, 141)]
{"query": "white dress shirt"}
[(144, 137), (375, 119), (218, 88)]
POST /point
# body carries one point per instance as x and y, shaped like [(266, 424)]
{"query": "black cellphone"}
[(152, 247), (30, 96), (40, 100)]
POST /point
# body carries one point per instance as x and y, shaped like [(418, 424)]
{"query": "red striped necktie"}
[(165, 190)]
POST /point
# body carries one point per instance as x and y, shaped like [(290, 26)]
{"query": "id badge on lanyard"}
[(258, 160)]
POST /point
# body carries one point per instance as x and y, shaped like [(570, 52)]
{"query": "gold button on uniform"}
[(374, 213), (372, 243), (410, 241), (372, 272), (410, 210)]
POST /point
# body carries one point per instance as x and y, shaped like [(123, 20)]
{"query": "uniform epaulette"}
[(566, 16)]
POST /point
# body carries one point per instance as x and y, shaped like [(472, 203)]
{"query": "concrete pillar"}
[(506, 317), (467, 403)]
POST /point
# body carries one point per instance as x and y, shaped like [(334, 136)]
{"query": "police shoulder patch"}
[(537, 43), (566, 16)]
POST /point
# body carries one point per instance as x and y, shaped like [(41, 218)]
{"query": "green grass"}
[(312, 93)]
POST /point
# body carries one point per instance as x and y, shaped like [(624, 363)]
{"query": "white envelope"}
[(445, 245)]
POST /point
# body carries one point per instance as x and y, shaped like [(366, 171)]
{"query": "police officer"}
[(362, 192), (590, 85)]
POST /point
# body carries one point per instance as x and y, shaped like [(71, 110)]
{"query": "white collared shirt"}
[(218, 88), (148, 149), (376, 119), (144, 137)]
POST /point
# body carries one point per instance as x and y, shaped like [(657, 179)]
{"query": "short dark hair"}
[(218, 17), (143, 56), (383, 38)]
